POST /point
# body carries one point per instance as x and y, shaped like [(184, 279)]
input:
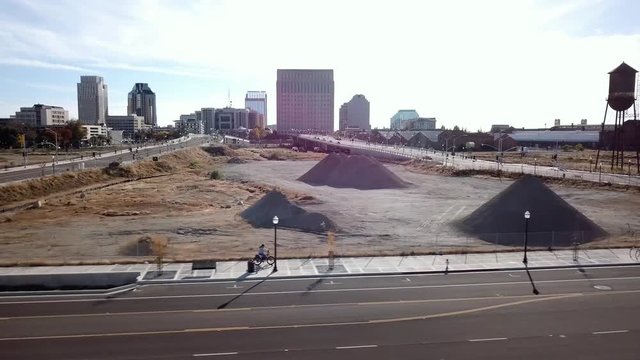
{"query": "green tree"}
[(77, 132)]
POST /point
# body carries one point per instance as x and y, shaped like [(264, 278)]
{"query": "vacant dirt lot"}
[(200, 218)]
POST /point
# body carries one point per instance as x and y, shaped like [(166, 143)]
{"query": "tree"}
[(456, 128), (77, 131), (8, 137), (257, 133)]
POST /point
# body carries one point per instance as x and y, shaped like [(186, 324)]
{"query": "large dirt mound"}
[(352, 171), (553, 221), (275, 203)]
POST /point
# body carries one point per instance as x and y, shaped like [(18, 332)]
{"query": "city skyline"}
[(515, 62)]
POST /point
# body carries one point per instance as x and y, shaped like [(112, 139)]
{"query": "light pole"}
[(275, 243), (56, 135), (527, 215)]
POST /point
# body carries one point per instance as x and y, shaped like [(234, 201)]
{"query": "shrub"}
[(566, 148), (579, 147), (215, 175)]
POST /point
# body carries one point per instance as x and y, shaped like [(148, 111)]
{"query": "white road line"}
[(609, 332), (489, 339), (458, 212), (216, 354), (356, 347), (138, 298)]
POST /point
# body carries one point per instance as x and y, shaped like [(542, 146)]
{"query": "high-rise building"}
[(355, 113), (93, 104), (399, 120), (305, 100), (208, 119), (142, 102), (42, 115), (257, 101)]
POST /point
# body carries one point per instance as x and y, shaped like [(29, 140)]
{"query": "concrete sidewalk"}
[(237, 270)]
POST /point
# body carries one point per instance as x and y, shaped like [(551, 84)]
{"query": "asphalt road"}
[(587, 314), (100, 161)]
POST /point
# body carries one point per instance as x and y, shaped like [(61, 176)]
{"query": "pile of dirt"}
[(553, 221), (352, 171), (290, 216)]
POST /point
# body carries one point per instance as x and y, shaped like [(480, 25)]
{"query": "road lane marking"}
[(609, 332), (488, 339), (292, 292), (288, 326), (275, 307), (356, 347), (480, 309), (216, 354)]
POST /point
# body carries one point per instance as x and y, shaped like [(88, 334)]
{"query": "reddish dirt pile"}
[(553, 221), (290, 216), (352, 171)]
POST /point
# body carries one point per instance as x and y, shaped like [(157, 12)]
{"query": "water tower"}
[(622, 83)]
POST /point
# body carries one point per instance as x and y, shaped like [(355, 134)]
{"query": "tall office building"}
[(355, 113), (305, 100), (93, 106), (257, 101), (142, 102)]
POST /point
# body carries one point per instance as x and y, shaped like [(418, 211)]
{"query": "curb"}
[(425, 272)]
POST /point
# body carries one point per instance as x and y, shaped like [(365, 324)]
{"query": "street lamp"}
[(56, 135), (527, 215), (275, 243)]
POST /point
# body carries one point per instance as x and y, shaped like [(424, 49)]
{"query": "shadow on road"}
[(533, 285), (222, 306)]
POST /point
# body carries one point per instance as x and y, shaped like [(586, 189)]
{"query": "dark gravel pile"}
[(553, 221), (291, 216), (352, 171)]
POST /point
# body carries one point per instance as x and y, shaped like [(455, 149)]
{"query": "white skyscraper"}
[(93, 105)]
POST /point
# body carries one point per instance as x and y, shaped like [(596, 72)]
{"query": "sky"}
[(467, 63)]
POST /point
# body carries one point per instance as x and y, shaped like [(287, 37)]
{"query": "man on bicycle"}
[(262, 252)]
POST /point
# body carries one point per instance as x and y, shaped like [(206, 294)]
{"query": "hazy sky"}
[(467, 63)]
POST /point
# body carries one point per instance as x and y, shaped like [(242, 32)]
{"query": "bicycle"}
[(268, 258)]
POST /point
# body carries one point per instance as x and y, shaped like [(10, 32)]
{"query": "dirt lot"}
[(572, 160), (200, 218)]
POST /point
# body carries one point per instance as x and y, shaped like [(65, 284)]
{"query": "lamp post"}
[(527, 215), (275, 243), (56, 135)]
